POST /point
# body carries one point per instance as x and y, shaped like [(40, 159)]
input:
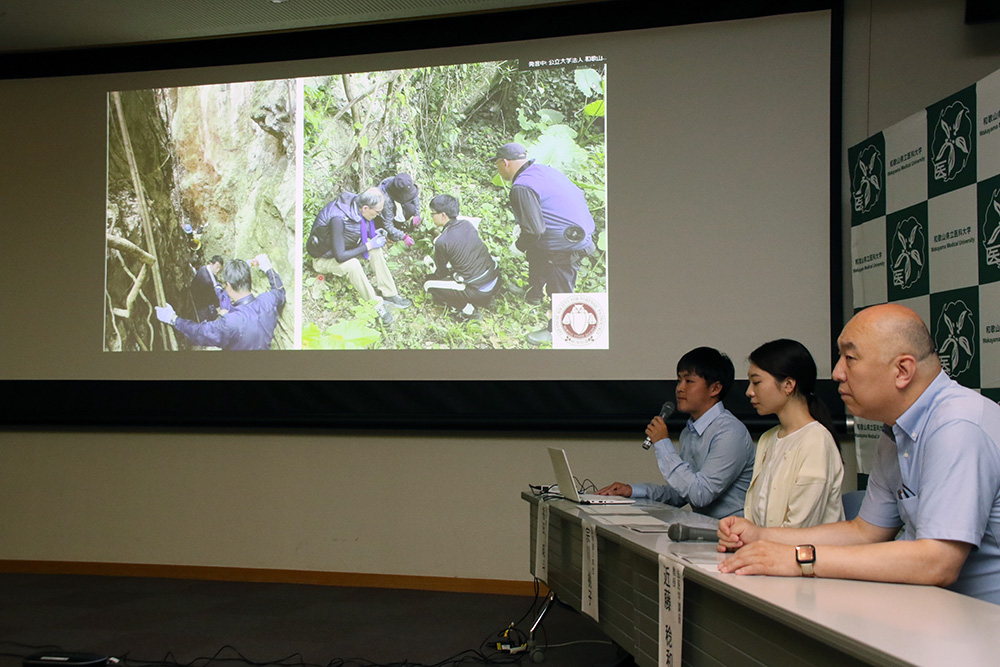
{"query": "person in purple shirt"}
[(251, 321), (556, 227), (343, 236), (936, 474)]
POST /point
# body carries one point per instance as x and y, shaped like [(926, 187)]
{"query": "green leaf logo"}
[(906, 253), (866, 180), (952, 142), (955, 336), (991, 229)]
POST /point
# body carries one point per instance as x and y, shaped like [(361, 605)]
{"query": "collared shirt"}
[(248, 326), (713, 469), (941, 479)]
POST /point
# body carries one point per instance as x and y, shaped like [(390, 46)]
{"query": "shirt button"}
[(906, 455)]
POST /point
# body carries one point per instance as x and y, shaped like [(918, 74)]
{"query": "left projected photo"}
[(434, 208), (201, 218)]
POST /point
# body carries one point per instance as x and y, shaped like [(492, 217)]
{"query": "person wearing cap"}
[(556, 225), (466, 277), (342, 235), (251, 322), (402, 204)]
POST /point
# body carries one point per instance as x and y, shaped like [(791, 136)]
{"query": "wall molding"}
[(275, 576)]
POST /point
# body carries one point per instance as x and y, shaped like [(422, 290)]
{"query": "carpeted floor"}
[(166, 622)]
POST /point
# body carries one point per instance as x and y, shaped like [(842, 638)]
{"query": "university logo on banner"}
[(954, 326), (906, 241), (988, 206), (867, 165), (951, 136)]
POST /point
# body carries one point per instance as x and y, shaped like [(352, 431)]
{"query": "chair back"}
[(852, 503)]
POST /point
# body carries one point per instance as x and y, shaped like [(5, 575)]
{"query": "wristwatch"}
[(805, 556)]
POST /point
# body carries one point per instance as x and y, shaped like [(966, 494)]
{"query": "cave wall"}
[(217, 169)]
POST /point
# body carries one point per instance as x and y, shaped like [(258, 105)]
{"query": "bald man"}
[(936, 474)]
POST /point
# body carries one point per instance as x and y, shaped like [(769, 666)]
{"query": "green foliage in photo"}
[(441, 125)]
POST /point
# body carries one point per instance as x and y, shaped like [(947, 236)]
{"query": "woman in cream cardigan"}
[(798, 470)]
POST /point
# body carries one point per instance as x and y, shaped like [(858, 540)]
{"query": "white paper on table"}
[(611, 509), (631, 520), (698, 553)]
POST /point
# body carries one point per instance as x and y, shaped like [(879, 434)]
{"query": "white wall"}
[(433, 504)]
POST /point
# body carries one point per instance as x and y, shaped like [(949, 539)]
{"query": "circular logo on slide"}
[(580, 320)]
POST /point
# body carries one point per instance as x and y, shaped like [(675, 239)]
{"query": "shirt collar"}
[(521, 170), (247, 299), (912, 422), (703, 422)]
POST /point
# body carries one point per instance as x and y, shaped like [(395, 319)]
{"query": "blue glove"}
[(376, 241), (165, 313)]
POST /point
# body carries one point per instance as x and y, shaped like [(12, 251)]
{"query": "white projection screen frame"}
[(722, 140)]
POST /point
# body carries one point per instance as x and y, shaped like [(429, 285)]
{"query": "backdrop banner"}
[(925, 232)]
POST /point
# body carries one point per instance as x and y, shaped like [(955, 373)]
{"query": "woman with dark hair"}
[(798, 470)]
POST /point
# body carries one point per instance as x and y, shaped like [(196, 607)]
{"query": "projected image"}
[(443, 207), (201, 207)]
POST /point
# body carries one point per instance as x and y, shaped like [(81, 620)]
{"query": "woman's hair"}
[(785, 358)]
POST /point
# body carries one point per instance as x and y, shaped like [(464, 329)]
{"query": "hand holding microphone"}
[(665, 411)]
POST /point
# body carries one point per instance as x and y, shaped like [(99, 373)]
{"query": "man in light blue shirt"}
[(936, 474), (713, 469)]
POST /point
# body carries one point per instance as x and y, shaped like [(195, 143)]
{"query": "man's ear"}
[(715, 389), (905, 369)]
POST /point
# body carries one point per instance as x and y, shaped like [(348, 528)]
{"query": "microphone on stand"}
[(665, 411)]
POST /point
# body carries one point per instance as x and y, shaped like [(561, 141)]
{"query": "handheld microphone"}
[(666, 410), (678, 532)]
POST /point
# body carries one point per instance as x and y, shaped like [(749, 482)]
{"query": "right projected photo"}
[(450, 207)]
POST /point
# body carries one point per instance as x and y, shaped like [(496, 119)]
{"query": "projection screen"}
[(703, 153)]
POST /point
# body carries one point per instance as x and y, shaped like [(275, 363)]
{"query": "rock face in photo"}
[(215, 166)]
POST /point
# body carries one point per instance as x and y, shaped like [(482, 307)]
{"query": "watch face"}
[(805, 553)]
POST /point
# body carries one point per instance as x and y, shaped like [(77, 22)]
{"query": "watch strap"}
[(805, 556)]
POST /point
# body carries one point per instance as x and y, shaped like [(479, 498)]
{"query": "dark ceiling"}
[(46, 25)]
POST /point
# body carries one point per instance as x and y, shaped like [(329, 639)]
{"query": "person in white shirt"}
[(798, 470)]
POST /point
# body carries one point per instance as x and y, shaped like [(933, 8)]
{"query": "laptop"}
[(567, 487)]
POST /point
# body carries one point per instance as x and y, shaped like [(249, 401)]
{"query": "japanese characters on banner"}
[(671, 613), (588, 578), (542, 543), (925, 232)]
